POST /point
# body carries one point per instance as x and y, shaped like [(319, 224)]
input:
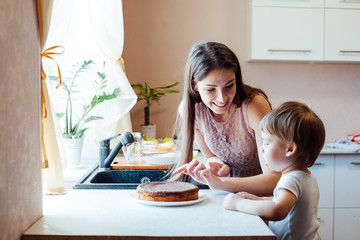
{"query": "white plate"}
[(168, 204)]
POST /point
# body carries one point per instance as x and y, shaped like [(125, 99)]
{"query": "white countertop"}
[(89, 213), (337, 151)]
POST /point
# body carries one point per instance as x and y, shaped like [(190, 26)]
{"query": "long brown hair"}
[(204, 58)]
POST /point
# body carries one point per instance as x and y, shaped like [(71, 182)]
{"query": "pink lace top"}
[(232, 141)]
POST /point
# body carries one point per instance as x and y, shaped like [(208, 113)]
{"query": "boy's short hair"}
[(296, 122)]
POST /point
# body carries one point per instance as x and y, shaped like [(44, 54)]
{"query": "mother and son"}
[(250, 150)]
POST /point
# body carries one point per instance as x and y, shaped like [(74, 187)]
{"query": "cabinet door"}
[(287, 34), (323, 170), (342, 3), (342, 35), (347, 223), (289, 3), (347, 181), (326, 223)]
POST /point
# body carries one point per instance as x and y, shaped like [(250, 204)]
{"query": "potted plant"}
[(150, 95), (75, 122)]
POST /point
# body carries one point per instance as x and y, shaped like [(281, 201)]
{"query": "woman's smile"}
[(221, 105)]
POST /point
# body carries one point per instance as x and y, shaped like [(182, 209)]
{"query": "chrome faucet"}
[(106, 157)]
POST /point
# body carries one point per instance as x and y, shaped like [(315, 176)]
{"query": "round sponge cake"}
[(167, 191)]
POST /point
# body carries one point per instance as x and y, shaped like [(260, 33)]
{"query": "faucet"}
[(106, 157)]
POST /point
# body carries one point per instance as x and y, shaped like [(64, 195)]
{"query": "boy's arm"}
[(274, 210), (261, 185)]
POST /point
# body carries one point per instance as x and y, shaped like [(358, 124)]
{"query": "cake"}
[(167, 191)]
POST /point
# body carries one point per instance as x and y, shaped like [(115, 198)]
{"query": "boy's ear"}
[(292, 147)]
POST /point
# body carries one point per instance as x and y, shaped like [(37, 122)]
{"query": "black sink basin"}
[(121, 179), (128, 176)]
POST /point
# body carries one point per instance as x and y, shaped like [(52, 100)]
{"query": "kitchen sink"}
[(121, 178)]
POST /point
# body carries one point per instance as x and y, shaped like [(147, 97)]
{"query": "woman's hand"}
[(201, 174), (218, 167), (193, 169)]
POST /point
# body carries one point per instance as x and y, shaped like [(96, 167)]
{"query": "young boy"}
[(293, 136)]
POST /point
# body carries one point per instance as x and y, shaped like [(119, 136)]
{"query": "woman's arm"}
[(274, 209), (201, 144), (258, 107), (199, 138), (216, 165)]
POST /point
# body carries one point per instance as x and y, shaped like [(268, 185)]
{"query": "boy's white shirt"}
[(302, 220)]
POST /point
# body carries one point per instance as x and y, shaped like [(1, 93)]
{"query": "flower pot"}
[(149, 131), (73, 148)]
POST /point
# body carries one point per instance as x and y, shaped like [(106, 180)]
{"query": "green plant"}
[(145, 92), (77, 128)]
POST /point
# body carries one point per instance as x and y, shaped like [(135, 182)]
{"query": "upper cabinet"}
[(342, 3), (304, 30), (289, 3), (287, 33), (342, 34)]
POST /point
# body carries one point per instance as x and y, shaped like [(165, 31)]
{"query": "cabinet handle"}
[(349, 51), (355, 163), (318, 164), (351, 1), (289, 50)]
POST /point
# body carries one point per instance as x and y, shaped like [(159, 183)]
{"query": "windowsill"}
[(71, 176)]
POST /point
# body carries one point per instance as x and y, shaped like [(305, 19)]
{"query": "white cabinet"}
[(289, 3), (323, 170), (347, 181), (304, 30), (287, 33), (326, 220), (347, 223), (338, 177), (342, 38), (342, 3)]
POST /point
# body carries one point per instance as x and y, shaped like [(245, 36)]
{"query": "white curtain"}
[(106, 21), (91, 30), (49, 21)]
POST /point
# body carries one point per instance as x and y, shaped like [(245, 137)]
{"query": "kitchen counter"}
[(94, 214), (337, 151)]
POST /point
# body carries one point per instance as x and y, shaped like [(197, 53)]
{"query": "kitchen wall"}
[(160, 33), (20, 171)]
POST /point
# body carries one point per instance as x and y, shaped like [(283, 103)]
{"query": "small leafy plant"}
[(75, 128), (145, 92)]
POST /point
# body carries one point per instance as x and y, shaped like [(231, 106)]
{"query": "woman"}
[(223, 115)]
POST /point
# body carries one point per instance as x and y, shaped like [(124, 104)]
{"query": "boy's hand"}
[(247, 195), (231, 201)]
